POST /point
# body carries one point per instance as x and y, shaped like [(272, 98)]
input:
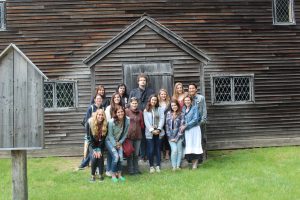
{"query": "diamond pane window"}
[(241, 89), (65, 95), (283, 12), (59, 94), (48, 95), (2, 15), (232, 89), (223, 89)]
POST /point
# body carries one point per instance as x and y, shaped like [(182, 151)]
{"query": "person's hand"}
[(97, 154), (182, 128), (173, 140), (203, 123), (118, 145), (156, 132)]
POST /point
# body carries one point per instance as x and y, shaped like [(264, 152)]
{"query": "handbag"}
[(127, 146), (128, 149)]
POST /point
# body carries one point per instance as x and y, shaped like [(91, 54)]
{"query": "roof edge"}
[(155, 26), (24, 56)]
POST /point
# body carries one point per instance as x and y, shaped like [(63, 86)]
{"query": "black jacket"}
[(142, 96)]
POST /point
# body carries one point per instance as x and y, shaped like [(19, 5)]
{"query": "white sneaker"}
[(152, 170), (107, 173), (174, 169), (157, 169)]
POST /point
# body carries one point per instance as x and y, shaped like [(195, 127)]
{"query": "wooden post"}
[(19, 174)]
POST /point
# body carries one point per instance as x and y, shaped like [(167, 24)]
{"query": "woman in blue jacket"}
[(117, 133), (154, 132), (174, 122), (193, 147)]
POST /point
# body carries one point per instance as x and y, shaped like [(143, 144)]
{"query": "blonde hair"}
[(94, 123), (167, 98), (175, 93)]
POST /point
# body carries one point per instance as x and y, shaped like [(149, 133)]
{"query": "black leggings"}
[(97, 162)]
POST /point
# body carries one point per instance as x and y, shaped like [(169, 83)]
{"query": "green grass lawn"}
[(262, 173)]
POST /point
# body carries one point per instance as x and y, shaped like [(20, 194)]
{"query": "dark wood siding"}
[(146, 46), (238, 36)]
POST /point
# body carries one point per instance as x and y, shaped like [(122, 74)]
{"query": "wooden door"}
[(160, 75)]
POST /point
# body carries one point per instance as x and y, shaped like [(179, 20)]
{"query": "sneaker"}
[(152, 170), (114, 180), (131, 173), (178, 168), (108, 173), (93, 179), (174, 169), (101, 178), (157, 169), (122, 178), (137, 172), (80, 168)]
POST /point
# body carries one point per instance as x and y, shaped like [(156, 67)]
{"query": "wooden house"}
[(243, 54)]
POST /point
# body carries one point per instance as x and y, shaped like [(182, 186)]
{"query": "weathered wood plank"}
[(19, 174), (6, 101), (20, 101)]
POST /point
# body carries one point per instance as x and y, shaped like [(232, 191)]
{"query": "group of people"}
[(150, 122)]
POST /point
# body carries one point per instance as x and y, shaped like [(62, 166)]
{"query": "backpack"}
[(84, 120)]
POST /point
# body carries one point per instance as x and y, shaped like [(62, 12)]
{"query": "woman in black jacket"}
[(97, 129)]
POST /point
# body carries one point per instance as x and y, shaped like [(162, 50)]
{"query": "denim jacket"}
[(173, 125), (114, 130), (199, 101), (191, 117), (148, 120)]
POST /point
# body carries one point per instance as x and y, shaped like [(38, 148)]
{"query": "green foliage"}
[(262, 173)]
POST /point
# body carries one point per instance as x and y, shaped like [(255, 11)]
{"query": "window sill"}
[(49, 110)]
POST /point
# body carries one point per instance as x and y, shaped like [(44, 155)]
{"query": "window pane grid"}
[(222, 89), (64, 95), (232, 89), (241, 89), (283, 10), (2, 15), (48, 95), (59, 94)]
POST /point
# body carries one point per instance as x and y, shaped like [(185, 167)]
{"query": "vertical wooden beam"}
[(19, 175)]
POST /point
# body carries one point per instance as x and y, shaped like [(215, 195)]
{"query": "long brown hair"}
[(148, 106), (94, 123), (116, 119), (112, 103), (99, 87), (177, 104)]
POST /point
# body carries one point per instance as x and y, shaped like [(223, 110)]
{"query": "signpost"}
[(21, 113)]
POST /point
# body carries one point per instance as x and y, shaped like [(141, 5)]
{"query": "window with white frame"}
[(232, 89), (59, 94), (283, 12), (2, 15)]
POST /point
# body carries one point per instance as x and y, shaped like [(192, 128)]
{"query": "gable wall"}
[(238, 36), (146, 46)]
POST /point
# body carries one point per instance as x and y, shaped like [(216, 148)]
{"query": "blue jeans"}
[(117, 157), (108, 162), (176, 153), (153, 149), (85, 162)]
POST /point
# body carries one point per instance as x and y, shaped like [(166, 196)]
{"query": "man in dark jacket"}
[(142, 93)]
